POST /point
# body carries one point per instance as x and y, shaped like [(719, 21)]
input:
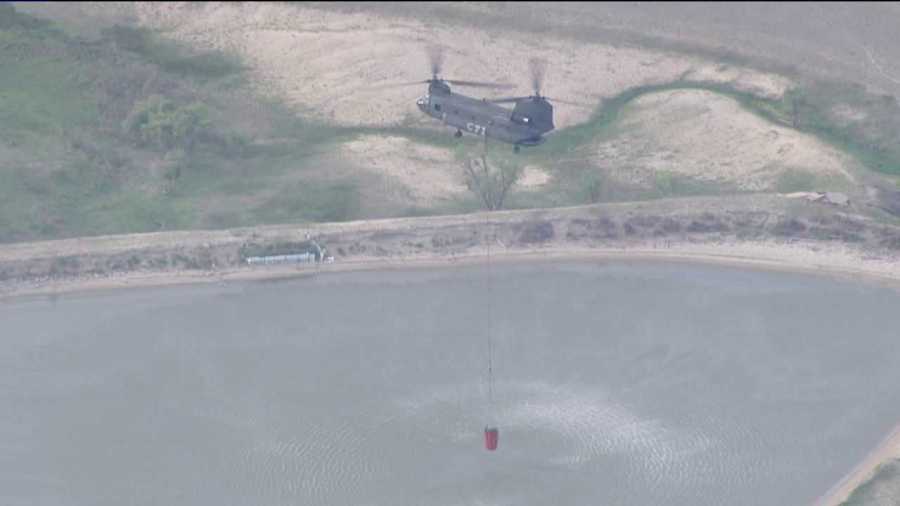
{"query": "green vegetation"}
[(872, 138), (36, 98), (316, 201), (595, 186), (795, 181), (882, 489), (170, 57), (128, 133), (159, 122)]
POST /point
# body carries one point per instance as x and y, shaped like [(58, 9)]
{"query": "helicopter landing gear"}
[(515, 148), (458, 134)]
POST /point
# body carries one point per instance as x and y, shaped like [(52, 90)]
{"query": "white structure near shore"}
[(282, 259)]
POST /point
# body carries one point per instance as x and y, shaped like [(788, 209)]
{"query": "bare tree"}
[(491, 184), (595, 186), (795, 113), (797, 104)]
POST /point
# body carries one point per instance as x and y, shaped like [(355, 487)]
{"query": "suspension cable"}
[(490, 315), (490, 296)]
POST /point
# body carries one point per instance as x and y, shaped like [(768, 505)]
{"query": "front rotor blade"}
[(477, 84), (537, 67), (435, 58), (398, 85)]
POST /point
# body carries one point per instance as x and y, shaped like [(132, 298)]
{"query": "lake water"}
[(615, 383)]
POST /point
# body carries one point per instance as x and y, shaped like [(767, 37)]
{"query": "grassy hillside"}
[(117, 130), (127, 133)]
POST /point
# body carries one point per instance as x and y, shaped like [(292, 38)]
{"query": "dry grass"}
[(533, 178), (416, 174), (706, 136), (329, 64)]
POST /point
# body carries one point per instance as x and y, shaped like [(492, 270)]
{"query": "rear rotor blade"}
[(561, 101), (550, 99)]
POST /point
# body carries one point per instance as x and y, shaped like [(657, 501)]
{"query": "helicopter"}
[(526, 124)]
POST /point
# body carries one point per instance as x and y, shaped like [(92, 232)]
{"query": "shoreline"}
[(826, 264), (886, 450)]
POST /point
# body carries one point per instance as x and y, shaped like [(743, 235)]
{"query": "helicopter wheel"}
[(458, 134)]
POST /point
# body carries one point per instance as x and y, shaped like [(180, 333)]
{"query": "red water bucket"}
[(491, 438)]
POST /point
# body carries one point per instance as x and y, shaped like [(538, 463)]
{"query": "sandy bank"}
[(837, 262), (768, 231)]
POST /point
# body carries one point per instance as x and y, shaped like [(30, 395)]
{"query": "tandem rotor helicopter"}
[(524, 125)]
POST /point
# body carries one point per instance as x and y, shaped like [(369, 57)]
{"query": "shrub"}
[(159, 122)]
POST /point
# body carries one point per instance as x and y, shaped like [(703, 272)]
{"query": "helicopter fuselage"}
[(524, 125)]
